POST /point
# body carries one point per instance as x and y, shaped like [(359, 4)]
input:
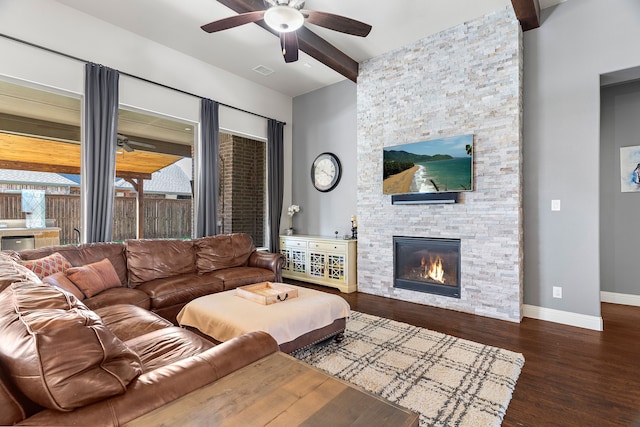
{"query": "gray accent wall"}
[(324, 121), (619, 229), (577, 42)]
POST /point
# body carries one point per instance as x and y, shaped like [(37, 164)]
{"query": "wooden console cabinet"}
[(321, 260)]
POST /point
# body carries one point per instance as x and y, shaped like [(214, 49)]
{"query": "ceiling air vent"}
[(261, 69)]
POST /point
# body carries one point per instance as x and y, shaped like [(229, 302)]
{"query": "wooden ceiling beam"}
[(310, 43), (132, 175), (528, 13), (39, 167), (28, 126)]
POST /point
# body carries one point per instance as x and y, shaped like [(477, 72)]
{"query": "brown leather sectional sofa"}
[(107, 359), (163, 275)]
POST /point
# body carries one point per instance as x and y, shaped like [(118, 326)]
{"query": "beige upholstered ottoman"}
[(295, 323)]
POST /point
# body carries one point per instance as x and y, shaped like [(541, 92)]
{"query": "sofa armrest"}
[(269, 261), (164, 385)]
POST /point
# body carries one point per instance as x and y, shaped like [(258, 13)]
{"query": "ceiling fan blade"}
[(141, 144), (337, 22), (309, 42), (233, 21), (125, 146), (289, 45)]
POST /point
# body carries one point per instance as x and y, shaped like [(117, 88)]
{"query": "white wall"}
[(58, 27), (577, 41)]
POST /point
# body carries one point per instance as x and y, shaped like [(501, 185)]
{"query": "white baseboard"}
[(564, 317), (615, 298)]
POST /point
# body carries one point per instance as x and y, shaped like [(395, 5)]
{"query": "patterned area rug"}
[(447, 380)]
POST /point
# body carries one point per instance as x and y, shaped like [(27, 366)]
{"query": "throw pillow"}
[(48, 265), (94, 278), (62, 281)]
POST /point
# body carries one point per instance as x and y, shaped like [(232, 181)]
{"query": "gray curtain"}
[(207, 177), (99, 151), (275, 180)]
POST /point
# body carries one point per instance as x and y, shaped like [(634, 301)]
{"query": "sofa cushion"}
[(169, 345), (11, 271), (156, 259), (156, 388), (59, 353), (94, 278), (240, 276), (223, 251), (129, 321), (51, 264), (12, 411), (62, 281), (119, 295), (180, 289)]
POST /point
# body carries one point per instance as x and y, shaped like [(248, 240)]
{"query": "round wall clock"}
[(325, 172)]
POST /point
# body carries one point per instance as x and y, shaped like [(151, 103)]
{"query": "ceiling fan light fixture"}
[(283, 19)]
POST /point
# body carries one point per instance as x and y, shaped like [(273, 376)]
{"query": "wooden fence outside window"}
[(163, 218)]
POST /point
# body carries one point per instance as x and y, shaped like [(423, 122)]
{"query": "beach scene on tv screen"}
[(438, 165)]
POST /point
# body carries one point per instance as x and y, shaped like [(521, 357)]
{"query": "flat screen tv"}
[(434, 166)]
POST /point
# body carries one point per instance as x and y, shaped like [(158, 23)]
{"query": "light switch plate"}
[(557, 292), (555, 205)]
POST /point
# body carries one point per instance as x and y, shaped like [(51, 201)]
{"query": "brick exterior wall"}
[(464, 80), (242, 182)]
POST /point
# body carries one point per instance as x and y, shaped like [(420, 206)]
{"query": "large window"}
[(40, 152), (40, 161), (154, 177), (243, 202)]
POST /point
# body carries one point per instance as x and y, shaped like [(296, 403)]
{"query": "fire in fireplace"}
[(426, 264)]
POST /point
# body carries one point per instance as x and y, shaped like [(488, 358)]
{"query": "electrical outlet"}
[(557, 292)]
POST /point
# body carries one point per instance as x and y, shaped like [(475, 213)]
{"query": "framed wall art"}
[(630, 169)]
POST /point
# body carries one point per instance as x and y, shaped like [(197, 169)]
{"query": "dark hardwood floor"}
[(571, 376)]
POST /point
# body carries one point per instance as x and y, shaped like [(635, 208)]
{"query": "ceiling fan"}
[(285, 17), (126, 144)]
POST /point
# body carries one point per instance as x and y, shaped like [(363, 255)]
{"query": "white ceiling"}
[(176, 24)]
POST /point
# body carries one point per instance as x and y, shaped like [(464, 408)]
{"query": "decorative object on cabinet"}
[(321, 260), (354, 227), (291, 211)]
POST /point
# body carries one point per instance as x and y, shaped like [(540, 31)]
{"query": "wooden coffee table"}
[(279, 390)]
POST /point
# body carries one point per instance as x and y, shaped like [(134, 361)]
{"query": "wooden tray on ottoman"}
[(267, 293)]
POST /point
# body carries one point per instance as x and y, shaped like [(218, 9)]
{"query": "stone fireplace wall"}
[(464, 80)]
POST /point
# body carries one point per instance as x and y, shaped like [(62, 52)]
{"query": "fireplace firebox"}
[(428, 265)]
